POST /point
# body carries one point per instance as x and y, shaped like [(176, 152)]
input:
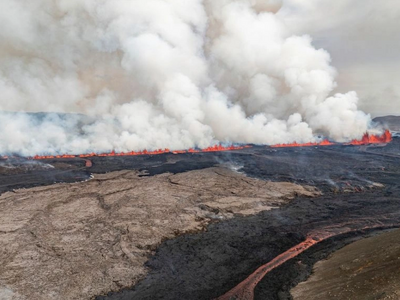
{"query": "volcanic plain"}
[(76, 241), (188, 226)]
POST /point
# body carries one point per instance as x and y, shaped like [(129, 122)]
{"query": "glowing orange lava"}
[(373, 139), (245, 289), (216, 148), (323, 143), (367, 139)]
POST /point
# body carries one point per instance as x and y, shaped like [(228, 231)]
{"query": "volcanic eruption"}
[(186, 149), (125, 78)]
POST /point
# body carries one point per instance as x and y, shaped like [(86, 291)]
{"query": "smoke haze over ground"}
[(163, 74)]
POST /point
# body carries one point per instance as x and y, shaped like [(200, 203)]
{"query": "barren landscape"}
[(187, 226), (75, 241), (199, 150)]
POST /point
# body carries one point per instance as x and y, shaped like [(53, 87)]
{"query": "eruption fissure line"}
[(245, 289), (366, 140), (217, 148)]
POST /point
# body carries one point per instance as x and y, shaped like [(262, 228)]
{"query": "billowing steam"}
[(162, 73)]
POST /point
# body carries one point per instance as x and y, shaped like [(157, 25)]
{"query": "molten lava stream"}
[(366, 140), (216, 148), (245, 289), (323, 143)]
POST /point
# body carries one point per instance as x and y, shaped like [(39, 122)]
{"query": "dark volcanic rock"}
[(207, 265), (153, 165), (18, 173)]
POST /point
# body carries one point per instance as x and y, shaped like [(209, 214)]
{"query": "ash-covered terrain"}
[(187, 226)]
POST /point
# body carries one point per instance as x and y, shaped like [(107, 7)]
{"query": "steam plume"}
[(162, 73)]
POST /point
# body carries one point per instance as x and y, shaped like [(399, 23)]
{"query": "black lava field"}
[(209, 264)]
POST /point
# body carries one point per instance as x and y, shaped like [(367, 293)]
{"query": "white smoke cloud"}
[(361, 36), (163, 74)]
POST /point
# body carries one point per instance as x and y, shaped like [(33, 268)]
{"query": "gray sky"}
[(363, 38)]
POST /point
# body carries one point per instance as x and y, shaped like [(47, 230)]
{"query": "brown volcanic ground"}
[(76, 241), (365, 270)]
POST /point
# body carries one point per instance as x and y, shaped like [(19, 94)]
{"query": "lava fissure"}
[(366, 140), (216, 148)]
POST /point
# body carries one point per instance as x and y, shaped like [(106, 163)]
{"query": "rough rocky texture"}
[(75, 241), (365, 270), (206, 265)]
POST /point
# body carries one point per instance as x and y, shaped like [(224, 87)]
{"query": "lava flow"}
[(295, 144), (216, 148), (245, 289), (367, 139)]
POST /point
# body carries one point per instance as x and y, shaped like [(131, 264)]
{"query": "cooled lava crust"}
[(209, 264)]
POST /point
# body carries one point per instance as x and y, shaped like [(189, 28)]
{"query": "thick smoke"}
[(360, 37), (162, 73)]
